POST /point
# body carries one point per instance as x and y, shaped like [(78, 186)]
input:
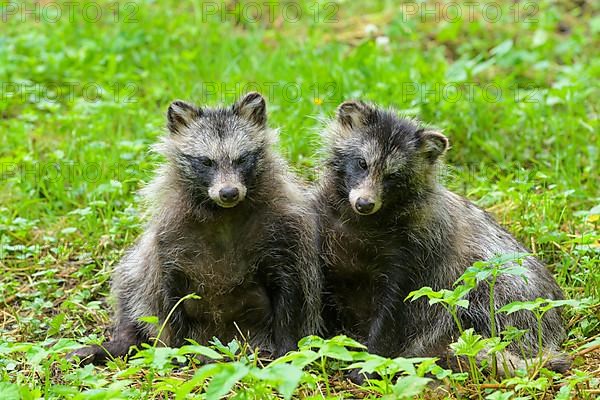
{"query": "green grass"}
[(516, 94)]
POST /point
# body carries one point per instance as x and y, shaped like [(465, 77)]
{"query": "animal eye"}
[(394, 176), (244, 159), (362, 163), (207, 162)]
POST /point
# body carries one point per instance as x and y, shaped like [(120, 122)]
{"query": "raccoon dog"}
[(388, 227), (229, 223)]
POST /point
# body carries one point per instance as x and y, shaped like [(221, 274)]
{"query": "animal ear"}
[(181, 115), (353, 113), (253, 108), (434, 144)]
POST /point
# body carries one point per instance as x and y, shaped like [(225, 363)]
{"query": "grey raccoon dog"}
[(228, 222), (389, 227)]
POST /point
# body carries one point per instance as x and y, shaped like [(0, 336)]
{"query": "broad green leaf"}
[(226, 376), (518, 306), (199, 349), (284, 377), (55, 324), (501, 395), (335, 351), (298, 358), (410, 386), (469, 344), (9, 391), (424, 291), (160, 358)]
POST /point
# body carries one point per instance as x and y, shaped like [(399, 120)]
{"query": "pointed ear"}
[(434, 144), (353, 113), (181, 115), (253, 108)]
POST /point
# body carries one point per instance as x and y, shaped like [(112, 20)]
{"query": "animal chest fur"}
[(220, 263)]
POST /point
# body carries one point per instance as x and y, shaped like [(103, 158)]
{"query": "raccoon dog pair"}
[(231, 224)]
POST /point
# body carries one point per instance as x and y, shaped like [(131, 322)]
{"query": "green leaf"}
[(160, 358), (9, 391), (499, 395), (469, 344), (502, 48), (196, 348), (424, 291), (410, 386), (515, 270), (284, 377), (519, 306), (460, 291), (298, 358), (333, 347), (512, 334), (335, 351), (311, 341), (226, 376), (593, 343), (64, 345), (505, 258), (464, 303), (201, 350), (563, 394), (342, 340), (55, 324), (372, 363), (230, 350)]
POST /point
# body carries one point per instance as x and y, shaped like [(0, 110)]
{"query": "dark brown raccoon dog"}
[(388, 227)]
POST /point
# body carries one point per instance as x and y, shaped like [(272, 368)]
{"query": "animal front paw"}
[(560, 363), (283, 348), (358, 377), (87, 355)]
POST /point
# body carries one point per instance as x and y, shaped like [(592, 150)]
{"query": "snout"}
[(364, 205), (227, 195), (364, 202)]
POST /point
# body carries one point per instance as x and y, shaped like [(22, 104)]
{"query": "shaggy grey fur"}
[(388, 227), (229, 222)]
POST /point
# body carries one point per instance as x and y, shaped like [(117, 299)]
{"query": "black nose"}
[(229, 194), (364, 206)]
